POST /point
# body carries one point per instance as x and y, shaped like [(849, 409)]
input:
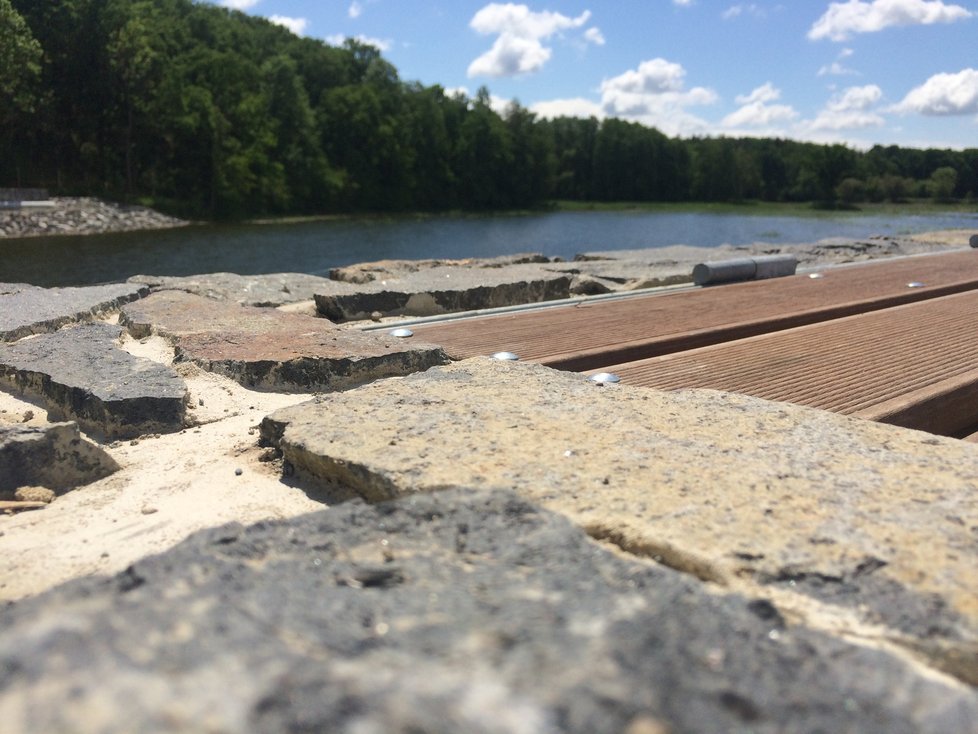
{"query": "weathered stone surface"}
[(873, 520), (457, 612), (368, 272), (443, 290), (273, 289), (53, 456), (26, 309), (269, 349), (81, 373)]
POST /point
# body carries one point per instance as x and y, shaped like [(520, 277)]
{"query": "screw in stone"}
[(505, 357), (402, 333), (605, 378)]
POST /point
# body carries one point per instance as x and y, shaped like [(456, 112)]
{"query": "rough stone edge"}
[(55, 456)]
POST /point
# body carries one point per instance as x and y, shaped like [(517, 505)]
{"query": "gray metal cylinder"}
[(775, 266), (745, 268), (724, 271)]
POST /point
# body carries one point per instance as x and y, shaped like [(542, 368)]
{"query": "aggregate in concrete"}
[(873, 521), (463, 611)]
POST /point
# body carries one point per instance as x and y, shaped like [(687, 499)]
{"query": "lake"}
[(315, 247)]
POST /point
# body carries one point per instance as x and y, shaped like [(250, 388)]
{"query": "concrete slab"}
[(53, 456), (459, 612), (872, 520), (272, 350), (273, 289), (438, 290), (26, 309), (81, 373)]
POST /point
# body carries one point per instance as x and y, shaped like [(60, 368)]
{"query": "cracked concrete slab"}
[(874, 520), (270, 290), (27, 309), (54, 456), (82, 374), (438, 290), (463, 611), (273, 350)]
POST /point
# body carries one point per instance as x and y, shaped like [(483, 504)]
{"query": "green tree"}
[(943, 182)]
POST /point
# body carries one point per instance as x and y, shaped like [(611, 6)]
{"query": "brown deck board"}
[(586, 336), (914, 365)]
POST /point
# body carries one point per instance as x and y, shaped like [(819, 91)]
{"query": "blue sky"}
[(860, 72)]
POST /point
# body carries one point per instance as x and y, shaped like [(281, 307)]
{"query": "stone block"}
[(26, 309), (54, 456), (272, 350), (82, 374), (463, 611), (876, 522), (439, 290)]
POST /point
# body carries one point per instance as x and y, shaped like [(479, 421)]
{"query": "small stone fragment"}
[(34, 494)]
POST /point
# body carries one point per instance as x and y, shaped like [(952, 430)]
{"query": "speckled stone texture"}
[(81, 373), (462, 611), (272, 289), (27, 309), (441, 290), (53, 456), (269, 349), (871, 526)]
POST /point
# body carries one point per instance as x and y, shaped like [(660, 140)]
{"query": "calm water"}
[(316, 247)]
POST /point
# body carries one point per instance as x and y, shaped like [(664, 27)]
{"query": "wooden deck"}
[(856, 341), (596, 333)]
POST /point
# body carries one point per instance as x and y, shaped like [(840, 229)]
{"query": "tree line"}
[(209, 112)]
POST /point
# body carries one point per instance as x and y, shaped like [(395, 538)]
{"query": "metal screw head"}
[(402, 333), (505, 357), (605, 378), (915, 284), (815, 276)]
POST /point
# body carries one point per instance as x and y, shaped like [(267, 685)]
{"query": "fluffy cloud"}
[(850, 110), (354, 10), (239, 4), (337, 39), (943, 95), (575, 107), (296, 25), (654, 94), (756, 109), (594, 35), (519, 48), (842, 20)]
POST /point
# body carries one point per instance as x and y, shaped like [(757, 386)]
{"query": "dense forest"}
[(204, 111)]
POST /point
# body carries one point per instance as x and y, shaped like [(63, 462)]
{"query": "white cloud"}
[(850, 110), (682, 3), (337, 39), (354, 10), (239, 4), (943, 95), (519, 48), (654, 95), (296, 25), (756, 110), (594, 35), (837, 68), (842, 20), (737, 10), (575, 107)]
